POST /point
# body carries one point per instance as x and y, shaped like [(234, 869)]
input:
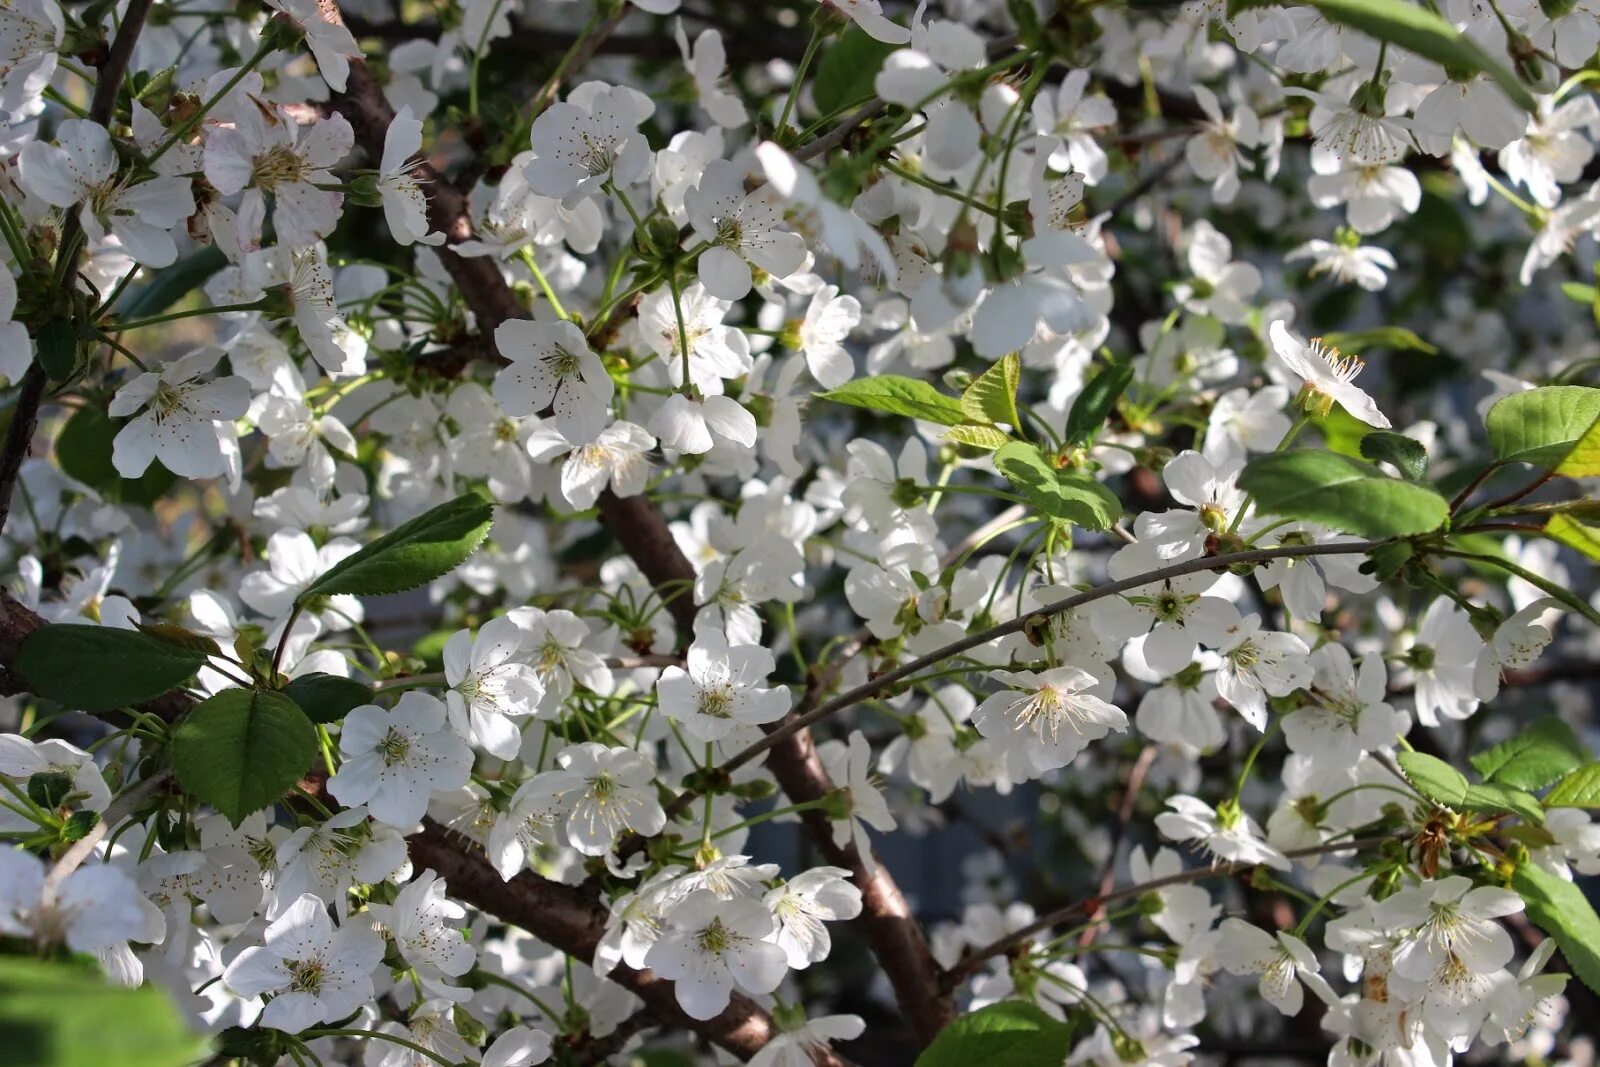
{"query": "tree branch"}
[(567, 919)]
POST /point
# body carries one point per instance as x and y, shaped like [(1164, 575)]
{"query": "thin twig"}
[(1005, 944)]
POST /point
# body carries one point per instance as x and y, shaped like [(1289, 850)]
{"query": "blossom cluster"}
[(496, 547)]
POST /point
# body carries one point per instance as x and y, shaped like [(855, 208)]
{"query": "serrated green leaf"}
[(242, 749), (1343, 493), (412, 554), (1533, 758), (1063, 496), (327, 697), (1579, 788), (1095, 403), (1490, 796), (1408, 456), (1434, 778), (1560, 909), (1542, 426), (1013, 1032), (992, 396), (895, 394), (98, 668), (1417, 29), (847, 69), (1574, 534), (64, 1014), (967, 433)]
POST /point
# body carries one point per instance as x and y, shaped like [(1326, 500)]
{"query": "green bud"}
[(363, 191), (474, 1032), (837, 805)]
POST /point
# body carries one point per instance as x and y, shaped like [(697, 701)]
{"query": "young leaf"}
[(1417, 29), (968, 433), (992, 396), (1062, 495), (1343, 493), (847, 69), (98, 668), (1093, 406), (1542, 426), (1491, 796), (1434, 778), (1533, 758), (894, 394), (1397, 338), (242, 749), (1013, 1032), (327, 697), (1560, 909), (1584, 459), (414, 553), (1574, 534), (65, 1014), (1579, 789), (1407, 456)]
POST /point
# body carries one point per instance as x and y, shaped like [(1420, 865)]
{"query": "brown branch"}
[(567, 919), (642, 531)]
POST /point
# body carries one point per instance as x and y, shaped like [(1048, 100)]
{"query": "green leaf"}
[(1560, 909), (1574, 534), (62, 1014), (1579, 292), (1542, 426), (847, 69), (242, 749), (171, 284), (1396, 338), (327, 697), (987, 437), (1094, 405), (1579, 789), (1417, 29), (992, 396), (895, 394), (1013, 1033), (83, 451), (1407, 455), (98, 668), (1493, 797), (57, 345), (1583, 461), (1343, 493), (1533, 758), (1062, 495), (1434, 778), (414, 553)]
